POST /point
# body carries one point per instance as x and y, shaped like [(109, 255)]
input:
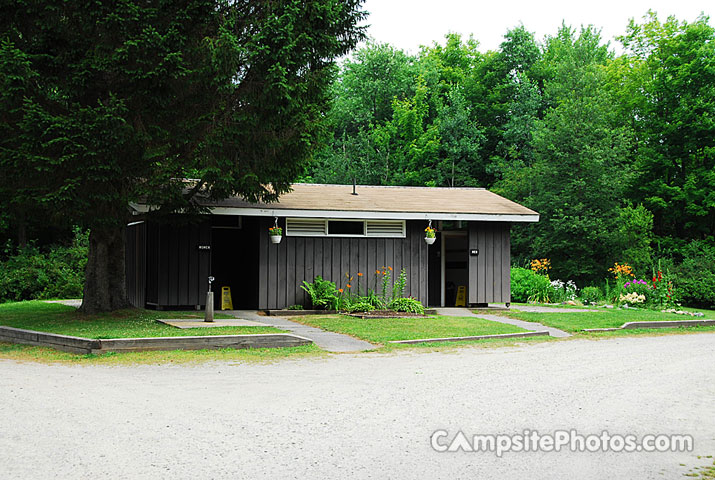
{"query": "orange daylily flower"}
[(340, 290), (348, 285), (359, 274)]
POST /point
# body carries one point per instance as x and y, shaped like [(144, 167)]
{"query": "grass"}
[(423, 347), (705, 473), (28, 353), (131, 323), (383, 330), (603, 318)]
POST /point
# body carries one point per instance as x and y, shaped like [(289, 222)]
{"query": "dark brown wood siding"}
[(489, 272), (135, 263), (284, 266), (177, 270)]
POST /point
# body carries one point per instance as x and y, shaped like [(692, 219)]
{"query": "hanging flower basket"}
[(430, 235), (276, 234)]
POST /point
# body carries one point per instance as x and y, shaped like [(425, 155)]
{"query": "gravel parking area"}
[(361, 416)]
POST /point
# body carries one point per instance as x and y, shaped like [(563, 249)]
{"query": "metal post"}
[(209, 316)]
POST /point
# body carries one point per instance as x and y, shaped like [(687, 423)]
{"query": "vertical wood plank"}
[(353, 267), (363, 265), (390, 254), (300, 268), (194, 255), (309, 259), (282, 286), (506, 263), (335, 265), (173, 258), (483, 256), (184, 258), (489, 264), (424, 270), (291, 282), (497, 261), (344, 262), (327, 257), (263, 285), (141, 300)]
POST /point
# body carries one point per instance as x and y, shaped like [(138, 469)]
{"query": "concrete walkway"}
[(330, 341), (531, 326)]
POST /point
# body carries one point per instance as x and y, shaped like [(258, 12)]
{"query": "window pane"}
[(336, 227)]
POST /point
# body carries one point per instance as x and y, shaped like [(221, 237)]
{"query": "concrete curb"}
[(477, 337), (665, 324), (298, 313), (58, 342), (88, 345)]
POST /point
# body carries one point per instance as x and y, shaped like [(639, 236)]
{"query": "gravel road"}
[(361, 416)]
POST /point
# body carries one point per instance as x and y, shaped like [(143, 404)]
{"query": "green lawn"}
[(386, 329), (602, 318), (58, 318), (131, 323)]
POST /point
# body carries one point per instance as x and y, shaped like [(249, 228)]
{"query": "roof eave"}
[(266, 211)]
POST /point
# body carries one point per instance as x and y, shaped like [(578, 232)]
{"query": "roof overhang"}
[(353, 214)]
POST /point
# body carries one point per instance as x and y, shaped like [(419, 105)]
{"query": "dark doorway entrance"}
[(434, 273), (456, 266), (234, 260), (448, 264)]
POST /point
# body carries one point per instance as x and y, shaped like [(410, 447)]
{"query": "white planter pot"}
[(276, 238), (430, 240)]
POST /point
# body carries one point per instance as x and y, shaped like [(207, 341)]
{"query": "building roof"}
[(382, 202)]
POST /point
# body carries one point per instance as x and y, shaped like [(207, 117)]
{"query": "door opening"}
[(234, 262)]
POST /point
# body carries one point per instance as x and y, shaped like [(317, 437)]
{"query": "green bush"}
[(322, 293), (295, 307), (373, 299), (694, 277), (527, 286), (359, 307), (409, 305), (56, 272), (591, 295)]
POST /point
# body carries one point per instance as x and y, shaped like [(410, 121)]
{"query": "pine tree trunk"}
[(104, 284)]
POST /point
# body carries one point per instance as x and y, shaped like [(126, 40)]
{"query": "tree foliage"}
[(614, 151)]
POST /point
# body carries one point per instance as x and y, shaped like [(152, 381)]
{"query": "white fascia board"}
[(372, 215)]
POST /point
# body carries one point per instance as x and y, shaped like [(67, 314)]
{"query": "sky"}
[(407, 24)]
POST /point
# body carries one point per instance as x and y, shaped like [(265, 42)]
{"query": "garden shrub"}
[(409, 305), (694, 277), (562, 291), (527, 286), (54, 272), (591, 295), (321, 292), (359, 307)]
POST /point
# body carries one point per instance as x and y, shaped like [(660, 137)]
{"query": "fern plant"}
[(322, 293)]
